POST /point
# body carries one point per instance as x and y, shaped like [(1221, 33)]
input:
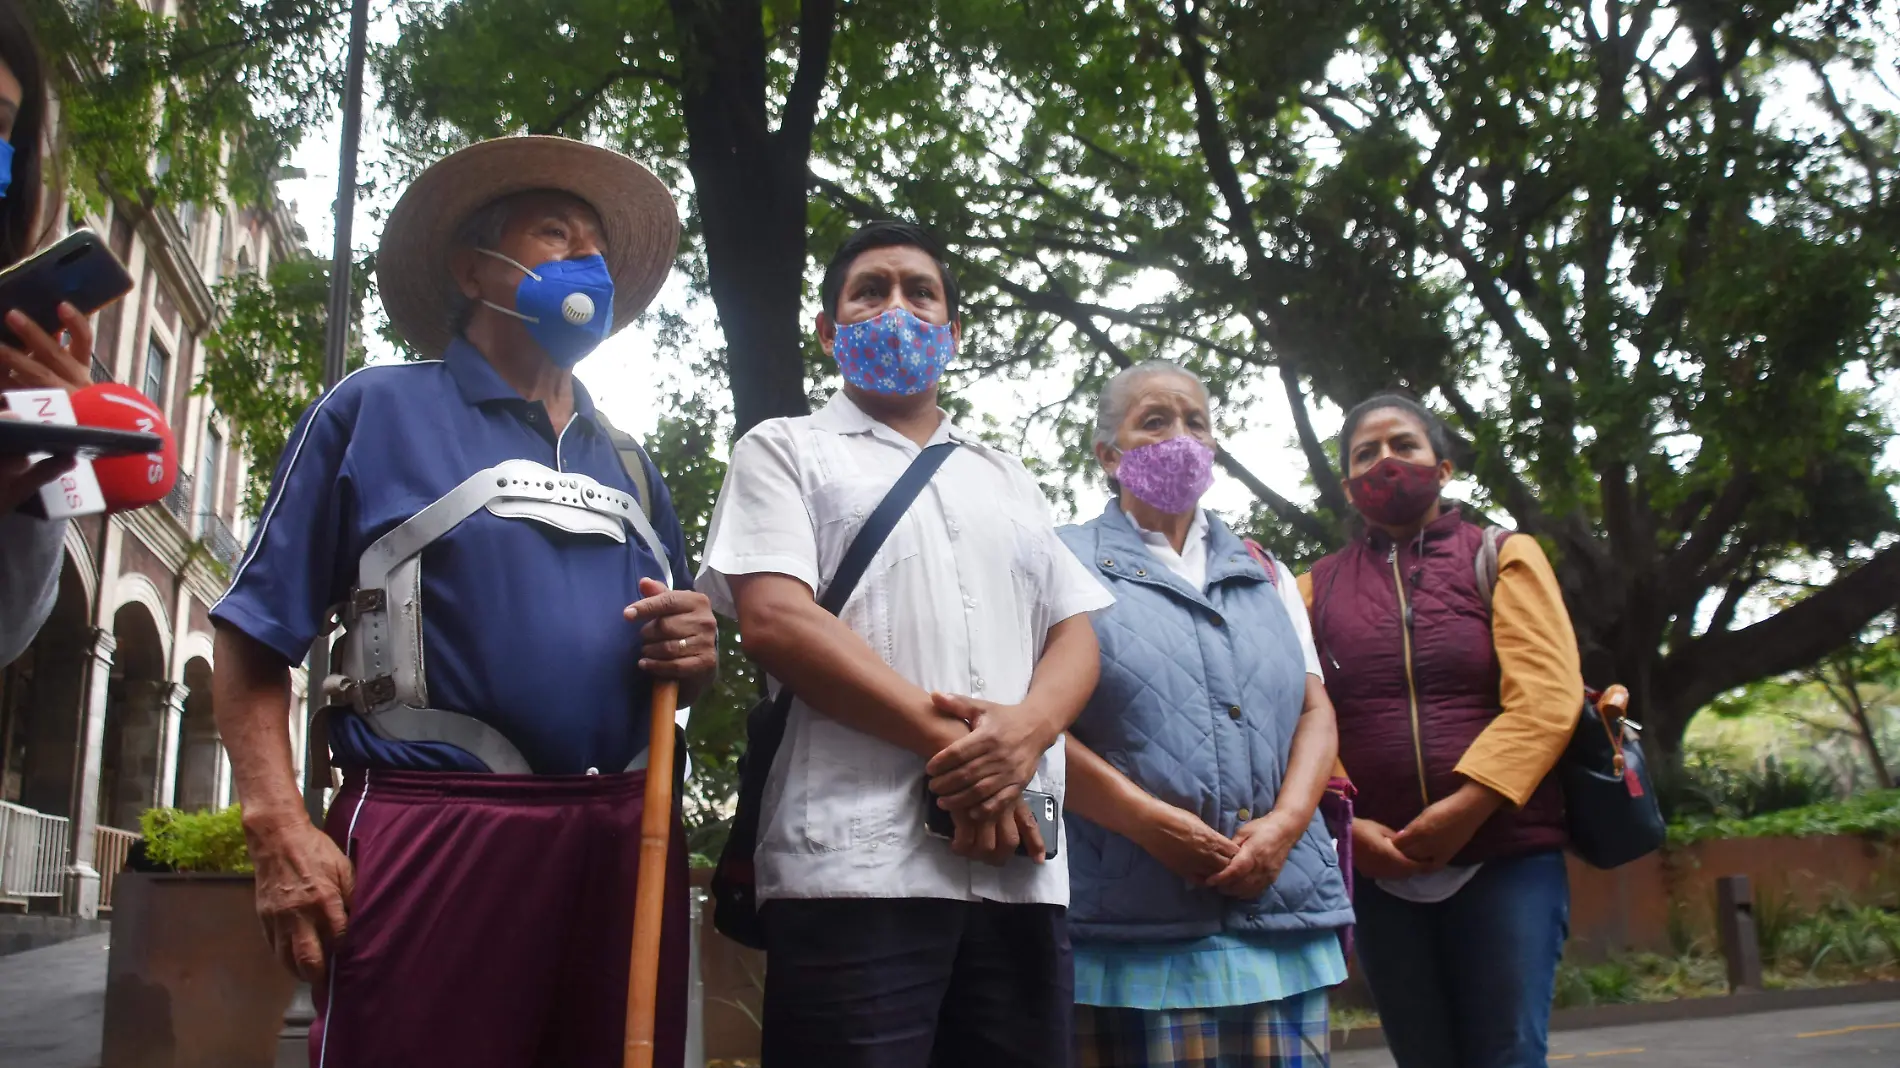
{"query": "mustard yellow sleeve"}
[(1542, 678)]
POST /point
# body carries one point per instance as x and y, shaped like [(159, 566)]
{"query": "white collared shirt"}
[(959, 599), (1191, 564)]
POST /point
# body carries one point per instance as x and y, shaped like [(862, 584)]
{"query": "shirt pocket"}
[(856, 794), (839, 509)]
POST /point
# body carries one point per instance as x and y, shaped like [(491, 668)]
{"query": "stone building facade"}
[(109, 712)]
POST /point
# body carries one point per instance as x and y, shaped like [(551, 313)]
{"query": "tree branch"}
[(817, 23), (1790, 639), (586, 101)]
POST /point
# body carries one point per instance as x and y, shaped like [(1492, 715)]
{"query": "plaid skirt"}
[(1289, 1033)]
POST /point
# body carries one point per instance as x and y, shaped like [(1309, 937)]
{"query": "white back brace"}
[(381, 672)]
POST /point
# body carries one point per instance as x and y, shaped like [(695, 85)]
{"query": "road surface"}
[(1840, 1036), (52, 1005)]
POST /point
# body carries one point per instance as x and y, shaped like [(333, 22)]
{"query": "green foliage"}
[(1641, 293), (684, 448), (1703, 788), (204, 100), (202, 841), (1875, 814), (264, 359)]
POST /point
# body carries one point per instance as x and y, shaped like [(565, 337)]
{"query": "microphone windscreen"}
[(141, 478)]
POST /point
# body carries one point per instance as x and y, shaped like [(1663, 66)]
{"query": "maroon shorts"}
[(491, 923)]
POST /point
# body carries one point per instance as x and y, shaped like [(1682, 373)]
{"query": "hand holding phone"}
[(79, 270), (1041, 808), (43, 361)]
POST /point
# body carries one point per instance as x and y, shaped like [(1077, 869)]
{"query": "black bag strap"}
[(863, 548), (870, 537)]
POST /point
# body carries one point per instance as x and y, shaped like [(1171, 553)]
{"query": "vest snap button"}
[(1244, 815), (1106, 562), (1233, 711), (1218, 621), (1141, 572)]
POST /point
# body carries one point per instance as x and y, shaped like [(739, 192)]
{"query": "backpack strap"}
[(634, 459), (1265, 559), (1487, 562)]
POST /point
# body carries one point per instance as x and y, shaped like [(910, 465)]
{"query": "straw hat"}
[(640, 226)]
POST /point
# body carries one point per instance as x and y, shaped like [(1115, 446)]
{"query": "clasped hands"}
[(1430, 841), (1243, 866), (979, 778)]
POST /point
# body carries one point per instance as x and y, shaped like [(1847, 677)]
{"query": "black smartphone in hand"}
[(1043, 807), (78, 270)]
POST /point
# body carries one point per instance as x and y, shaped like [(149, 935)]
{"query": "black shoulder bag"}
[(734, 884), (1610, 809)]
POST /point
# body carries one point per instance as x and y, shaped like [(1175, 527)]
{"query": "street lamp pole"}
[(293, 1037), (336, 347)]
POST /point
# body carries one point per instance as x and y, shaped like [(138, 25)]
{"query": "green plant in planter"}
[(203, 841)]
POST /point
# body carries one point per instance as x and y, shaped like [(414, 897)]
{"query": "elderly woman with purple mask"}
[(1206, 894)]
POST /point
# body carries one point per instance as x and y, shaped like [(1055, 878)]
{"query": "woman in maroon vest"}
[(1451, 717)]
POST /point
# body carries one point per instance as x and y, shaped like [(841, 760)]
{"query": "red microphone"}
[(129, 482)]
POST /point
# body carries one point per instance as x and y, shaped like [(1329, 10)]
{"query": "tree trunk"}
[(1848, 697), (750, 183), (754, 220)]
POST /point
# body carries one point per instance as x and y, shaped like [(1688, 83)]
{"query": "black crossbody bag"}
[(1610, 809), (734, 883)]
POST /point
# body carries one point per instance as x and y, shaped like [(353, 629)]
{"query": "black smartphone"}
[(1042, 806), (18, 436), (79, 270)]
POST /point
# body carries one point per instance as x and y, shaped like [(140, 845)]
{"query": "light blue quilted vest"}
[(1199, 696)]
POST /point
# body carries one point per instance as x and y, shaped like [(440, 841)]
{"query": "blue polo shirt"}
[(522, 624)]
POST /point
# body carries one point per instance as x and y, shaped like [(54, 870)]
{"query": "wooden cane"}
[(649, 900)]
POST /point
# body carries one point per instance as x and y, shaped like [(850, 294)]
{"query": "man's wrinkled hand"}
[(984, 772), (681, 637), (304, 885)]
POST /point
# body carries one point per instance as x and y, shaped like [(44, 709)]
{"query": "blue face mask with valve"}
[(6, 167), (567, 304)]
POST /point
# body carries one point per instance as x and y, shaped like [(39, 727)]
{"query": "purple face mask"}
[(1170, 475)]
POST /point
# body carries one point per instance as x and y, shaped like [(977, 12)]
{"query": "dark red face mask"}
[(1394, 493)]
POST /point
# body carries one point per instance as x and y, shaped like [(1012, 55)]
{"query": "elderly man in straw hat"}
[(502, 572)]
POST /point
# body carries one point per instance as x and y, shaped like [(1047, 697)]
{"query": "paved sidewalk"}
[(52, 1005), (1836, 1036)]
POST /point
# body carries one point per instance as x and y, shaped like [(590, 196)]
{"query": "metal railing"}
[(100, 372), (32, 852), (223, 545), (178, 501), (110, 846)]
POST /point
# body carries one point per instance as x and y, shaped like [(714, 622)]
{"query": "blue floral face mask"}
[(6, 168), (896, 353), (567, 304)]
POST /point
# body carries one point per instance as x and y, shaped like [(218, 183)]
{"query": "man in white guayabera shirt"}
[(962, 655)]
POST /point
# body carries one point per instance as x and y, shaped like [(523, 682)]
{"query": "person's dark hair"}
[(887, 234), (20, 211), (1435, 433)]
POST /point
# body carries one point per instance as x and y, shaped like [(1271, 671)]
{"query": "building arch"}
[(197, 645), (134, 588), (79, 560)]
